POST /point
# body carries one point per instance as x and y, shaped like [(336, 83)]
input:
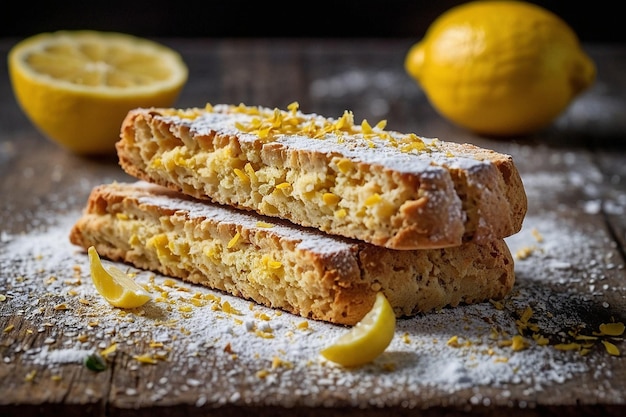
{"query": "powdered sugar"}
[(259, 355), (371, 149), (305, 238)]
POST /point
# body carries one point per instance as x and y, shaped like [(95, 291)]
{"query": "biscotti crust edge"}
[(324, 188), (334, 281)]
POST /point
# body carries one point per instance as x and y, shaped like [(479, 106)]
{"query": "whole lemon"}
[(500, 68)]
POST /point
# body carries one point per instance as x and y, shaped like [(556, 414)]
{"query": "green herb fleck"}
[(95, 362)]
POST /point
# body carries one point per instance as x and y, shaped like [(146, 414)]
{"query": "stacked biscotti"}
[(309, 214)]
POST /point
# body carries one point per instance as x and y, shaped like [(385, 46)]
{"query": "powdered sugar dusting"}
[(263, 356), (305, 238), (373, 150)]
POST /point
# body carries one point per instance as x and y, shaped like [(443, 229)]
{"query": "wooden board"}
[(207, 361)]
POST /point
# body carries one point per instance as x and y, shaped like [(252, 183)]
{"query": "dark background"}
[(597, 21)]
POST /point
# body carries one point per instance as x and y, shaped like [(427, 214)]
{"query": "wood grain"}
[(327, 77)]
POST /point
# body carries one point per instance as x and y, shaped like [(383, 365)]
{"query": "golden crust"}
[(456, 193), (281, 265)]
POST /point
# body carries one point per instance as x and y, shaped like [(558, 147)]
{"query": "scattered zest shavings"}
[(267, 124), (278, 363), (30, 376), (229, 309), (107, 351), (456, 343), (611, 348), (519, 343), (567, 346), (524, 252), (576, 341), (265, 334), (146, 359), (612, 329), (263, 373)]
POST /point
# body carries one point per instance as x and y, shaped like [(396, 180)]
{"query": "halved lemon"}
[(115, 286), (77, 86), (366, 340)]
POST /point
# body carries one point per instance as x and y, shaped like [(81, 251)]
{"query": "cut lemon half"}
[(76, 87), (114, 285), (367, 339)]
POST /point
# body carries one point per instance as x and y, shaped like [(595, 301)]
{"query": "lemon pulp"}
[(368, 339), (114, 285), (76, 87)]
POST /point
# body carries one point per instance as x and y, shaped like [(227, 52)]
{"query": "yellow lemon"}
[(77, 86), (115, 286), (365, 341), (500, 68)]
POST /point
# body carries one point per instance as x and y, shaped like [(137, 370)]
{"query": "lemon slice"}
[(367, 339), (114, 285), (77, 86)]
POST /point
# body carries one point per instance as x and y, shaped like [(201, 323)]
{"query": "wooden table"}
[(569, 262)]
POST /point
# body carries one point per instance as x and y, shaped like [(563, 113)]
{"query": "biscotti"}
[(281, 265), (387, 188)]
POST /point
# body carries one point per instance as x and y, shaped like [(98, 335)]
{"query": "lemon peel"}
[(500, 68), (366, 340), (114, 285), (612, 329), (76, 87)]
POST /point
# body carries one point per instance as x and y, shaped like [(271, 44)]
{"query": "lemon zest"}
[(612, 329)]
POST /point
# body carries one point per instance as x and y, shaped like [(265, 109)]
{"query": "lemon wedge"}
[(114, 285), (367, 339), (76, 87)]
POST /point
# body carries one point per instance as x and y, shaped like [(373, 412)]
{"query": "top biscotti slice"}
[(384, 187), (281, 265)]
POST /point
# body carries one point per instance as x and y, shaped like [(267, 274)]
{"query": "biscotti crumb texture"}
[(280, 265), (387, 188)]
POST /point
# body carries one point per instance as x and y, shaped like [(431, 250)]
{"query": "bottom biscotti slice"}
[(277, 264)]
